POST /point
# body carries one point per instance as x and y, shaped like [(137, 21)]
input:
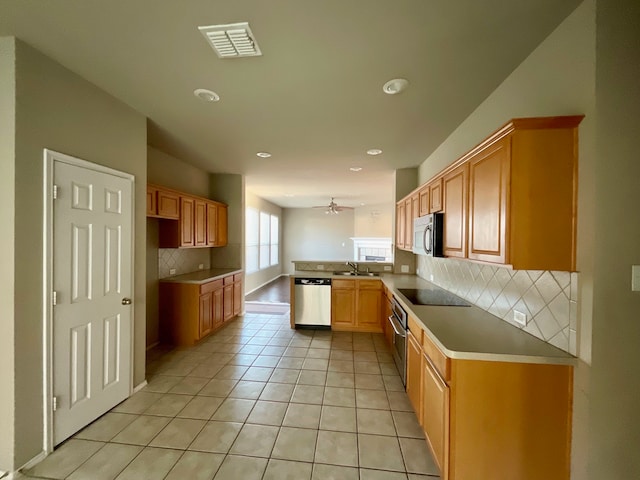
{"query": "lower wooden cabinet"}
[(356, 305), (414, 373), (190, 312), (435, 413)]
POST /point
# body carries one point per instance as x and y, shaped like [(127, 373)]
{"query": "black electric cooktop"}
[(428, 296)]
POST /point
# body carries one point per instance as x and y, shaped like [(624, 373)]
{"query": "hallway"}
[(257, 401), (276, 291)]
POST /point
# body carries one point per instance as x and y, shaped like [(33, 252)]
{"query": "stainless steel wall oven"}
[(398, 321)]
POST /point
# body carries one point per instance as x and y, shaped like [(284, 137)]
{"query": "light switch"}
[(172, 271), (520, 317), (635, 278)]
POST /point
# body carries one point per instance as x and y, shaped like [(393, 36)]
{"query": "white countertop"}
[(202, 276), (466, 333)]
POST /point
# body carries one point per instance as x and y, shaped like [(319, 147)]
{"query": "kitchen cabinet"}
[(456, 186), (414, 373), (162, 203), (423, 201), (200, 223), (435, 196), (221, 225), (356, 305), (212, 224), (190, 311), (408, 224), (400, 224), (477, 413)]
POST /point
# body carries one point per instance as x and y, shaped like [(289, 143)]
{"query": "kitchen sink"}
[(359, 274)]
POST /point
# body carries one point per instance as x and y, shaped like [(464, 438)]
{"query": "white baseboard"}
[(139, 387), (266, 283)]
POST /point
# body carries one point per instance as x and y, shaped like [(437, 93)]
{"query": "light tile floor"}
[(257, 400)]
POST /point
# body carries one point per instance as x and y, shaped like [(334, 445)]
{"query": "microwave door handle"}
[(427, 236)]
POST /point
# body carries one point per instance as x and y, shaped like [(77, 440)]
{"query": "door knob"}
[(126, 301)]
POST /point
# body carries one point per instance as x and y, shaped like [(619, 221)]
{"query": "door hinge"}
[(55, 192), (54, 298), (54, 403)]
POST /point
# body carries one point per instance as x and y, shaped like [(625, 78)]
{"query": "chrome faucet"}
[(354, 266)]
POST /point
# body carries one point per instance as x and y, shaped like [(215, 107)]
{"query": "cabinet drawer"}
[(210, 287), (237, 277), (439, 359), (348, 284), (370, 284), (415, 328), (228, 280)]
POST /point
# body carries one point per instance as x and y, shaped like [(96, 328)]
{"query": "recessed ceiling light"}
[(355, 169), (206, 95), (263, 154), (394, 86), (374, 151)]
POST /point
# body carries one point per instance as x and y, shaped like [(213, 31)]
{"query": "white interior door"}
[(92, 244)]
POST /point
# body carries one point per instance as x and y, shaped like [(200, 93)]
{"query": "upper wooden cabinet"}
[(456, 185), (162, 203), (400, 224), (201, 222), (408, 223), (435, 196), (423, 201)]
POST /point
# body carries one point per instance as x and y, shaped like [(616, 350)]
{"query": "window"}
[(262, 240)]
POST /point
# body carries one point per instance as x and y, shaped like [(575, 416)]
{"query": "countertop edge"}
[(176, 279)]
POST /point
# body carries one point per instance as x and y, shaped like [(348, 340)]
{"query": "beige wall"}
[(7, 249), (615, 374), (558, 78), (374, 220), (229, 188), (257, 279), (58, 110), (166, 170)]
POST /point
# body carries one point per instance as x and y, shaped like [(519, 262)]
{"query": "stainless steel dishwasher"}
[(312, 299)]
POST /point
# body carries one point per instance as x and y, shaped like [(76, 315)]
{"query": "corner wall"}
[(229, 188), (59, 110), (7, 248)]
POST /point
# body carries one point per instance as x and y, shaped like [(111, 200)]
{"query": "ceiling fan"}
[(333, 207)]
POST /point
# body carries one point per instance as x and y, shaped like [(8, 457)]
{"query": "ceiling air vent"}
[(231, 41)]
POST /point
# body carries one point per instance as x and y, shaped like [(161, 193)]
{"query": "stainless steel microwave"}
[(428, 235)]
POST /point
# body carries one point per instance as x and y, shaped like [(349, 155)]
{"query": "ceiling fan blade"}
[(340, 208)]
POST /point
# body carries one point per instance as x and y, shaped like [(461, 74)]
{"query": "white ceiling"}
[(314, 98)]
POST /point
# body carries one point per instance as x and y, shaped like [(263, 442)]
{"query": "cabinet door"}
[(152, 196), (423, 200), (187, 229), (200, 229), (237, 297), (227, 298), (414, 374), (343, 307), (455, 211), (221, 237), (212, 224), (218, 306), (435, 414), (388, 329), (435, 196), (408, 224), (488, 203), (168, 204), (400, 219), (369, 308), (205, 315)]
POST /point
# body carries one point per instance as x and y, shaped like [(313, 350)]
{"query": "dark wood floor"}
[(277, 291)]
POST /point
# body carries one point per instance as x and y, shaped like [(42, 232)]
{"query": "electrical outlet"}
[(520, 317), (172, 271), (404, 268), (387, 268), (201, 266), (319, 267)]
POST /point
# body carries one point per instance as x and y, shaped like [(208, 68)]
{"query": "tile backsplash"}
[(184, 260), (548, 298)]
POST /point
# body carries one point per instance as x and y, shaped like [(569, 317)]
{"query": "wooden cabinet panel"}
[(221, 233), (152, 196), (205, 320), (168, 204), (227, 298), (435, 414), (187, 228), (455, 186), (343, 307), (435, 196), (423, 200), (414, 374), (369, 308), (212, 224), (400, 225), (408, 224), (200, 223), (237, 296), (488, 203), (218, 306)]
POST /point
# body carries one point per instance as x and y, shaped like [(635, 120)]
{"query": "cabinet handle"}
[(393, 325)]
